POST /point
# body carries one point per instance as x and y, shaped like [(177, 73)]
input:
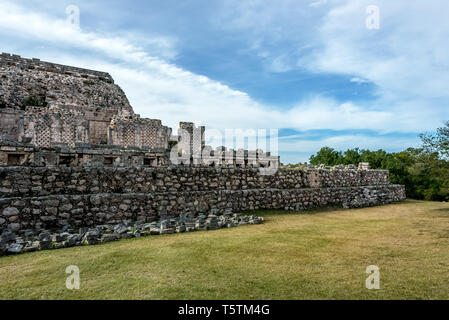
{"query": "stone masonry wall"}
[(54, 197), (89, 210), (11, 124), (139, 133), (43, 181)]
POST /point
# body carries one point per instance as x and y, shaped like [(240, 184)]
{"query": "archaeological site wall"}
[(73, 153), (49, 197)]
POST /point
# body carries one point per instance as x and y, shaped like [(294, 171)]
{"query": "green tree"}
[(375, 158), (424, 171), (327, 156), (425, 174), (351, 156), (438, 142)]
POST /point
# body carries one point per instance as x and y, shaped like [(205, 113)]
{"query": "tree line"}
[(424, 171)]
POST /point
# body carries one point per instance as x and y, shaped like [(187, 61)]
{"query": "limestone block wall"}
[(190, 138), (46, 127), (16, 60), (40, 181), (11, 124), (48, 197), (139, 132), (89, 210), (70, 124), (20, 155), (99, 120), (79, 154)]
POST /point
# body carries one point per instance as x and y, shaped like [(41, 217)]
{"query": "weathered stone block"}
[(10, 211)]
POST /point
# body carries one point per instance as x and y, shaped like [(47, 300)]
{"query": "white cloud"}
[(406, 60), (359, 80), (318, 3), (409, 65), (280, 64), (38, 26), (407, 56)]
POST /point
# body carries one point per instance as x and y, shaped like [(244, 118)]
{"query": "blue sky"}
[(308, 68)]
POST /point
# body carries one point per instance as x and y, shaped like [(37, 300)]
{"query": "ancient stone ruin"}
[(74, 154), (59, 115)]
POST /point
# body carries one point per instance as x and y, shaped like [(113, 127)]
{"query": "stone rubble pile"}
[(33, 240), (23, 78)]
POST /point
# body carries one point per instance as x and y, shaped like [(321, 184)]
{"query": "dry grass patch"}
[(315, 255)]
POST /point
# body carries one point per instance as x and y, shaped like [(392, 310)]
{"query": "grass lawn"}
[(314, 255)]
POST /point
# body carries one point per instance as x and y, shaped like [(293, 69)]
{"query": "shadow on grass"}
[(445, 210), (268, 212)]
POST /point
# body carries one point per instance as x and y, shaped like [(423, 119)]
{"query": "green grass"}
[(313, 255)]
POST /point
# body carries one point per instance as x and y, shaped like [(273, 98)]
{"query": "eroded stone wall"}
[(53, 197), (29, 181), (79, 155), (11, 124), (88, 210), (45, 103), (139, 133), (51, 83)]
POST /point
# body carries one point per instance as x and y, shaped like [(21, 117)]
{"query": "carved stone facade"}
[(191, 139), (46, 104), (80, 155), (191, 149), (138, 133)]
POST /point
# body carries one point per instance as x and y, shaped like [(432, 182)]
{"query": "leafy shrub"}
[(33, 101), (88, 82), (172, 143)]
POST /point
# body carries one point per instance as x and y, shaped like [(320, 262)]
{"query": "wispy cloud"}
[(359, 80), (39, 26), (406, 61), (318, 3)]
